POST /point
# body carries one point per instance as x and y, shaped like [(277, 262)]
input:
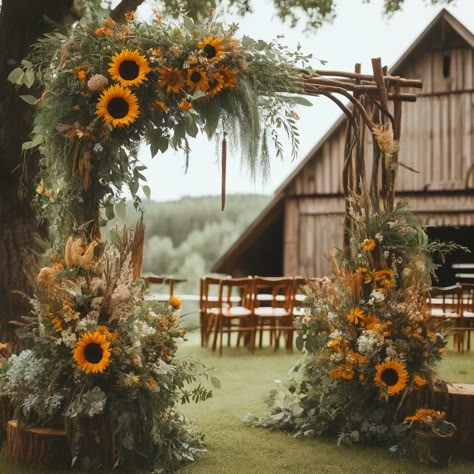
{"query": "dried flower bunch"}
[(368, 340), (110, 85), (431, 421), (98, 349)]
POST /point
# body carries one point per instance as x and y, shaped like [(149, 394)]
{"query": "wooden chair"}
[(273, 308), (446, 303), (168, 280), (234, 318), (208, 302), (467, 310)]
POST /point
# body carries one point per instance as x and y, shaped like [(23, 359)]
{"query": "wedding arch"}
[(103, 356)]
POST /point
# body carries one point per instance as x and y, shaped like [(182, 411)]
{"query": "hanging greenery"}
[(109, 86)]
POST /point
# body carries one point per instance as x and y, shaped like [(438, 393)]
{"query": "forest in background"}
[(185, 238)]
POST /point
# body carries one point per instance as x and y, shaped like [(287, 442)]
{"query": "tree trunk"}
[(21, 23)]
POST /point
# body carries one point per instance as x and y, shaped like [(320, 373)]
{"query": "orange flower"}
[(355, 316), (81, 72), (152, 383), (368, 245), (419, 381), (130, 16), (385, 277), (185, 105), (356, 358), (175, 302), (104, 32), (372, 322), (343, 371)]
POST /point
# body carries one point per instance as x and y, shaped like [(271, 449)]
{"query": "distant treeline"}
[(185, 238)]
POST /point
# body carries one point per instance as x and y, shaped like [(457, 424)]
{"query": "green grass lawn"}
[(236, 448)]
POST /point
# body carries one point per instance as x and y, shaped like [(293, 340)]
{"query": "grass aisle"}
[(236, 448)]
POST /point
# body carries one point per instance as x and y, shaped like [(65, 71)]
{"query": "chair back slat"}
[(280, 289), (445, 301)]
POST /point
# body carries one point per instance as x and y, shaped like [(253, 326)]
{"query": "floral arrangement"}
[(102, 360), (370, 346), (110, 85), (432, 421)]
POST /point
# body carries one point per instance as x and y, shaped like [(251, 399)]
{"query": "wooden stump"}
[(38, 448), (458, 403), (6, 412)]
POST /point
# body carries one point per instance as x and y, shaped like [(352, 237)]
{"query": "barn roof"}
[(430, 35)]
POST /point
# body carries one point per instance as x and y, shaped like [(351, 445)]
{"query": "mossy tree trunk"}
[(21, 23)]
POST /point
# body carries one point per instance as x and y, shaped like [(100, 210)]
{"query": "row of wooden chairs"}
[(455, 303), (249, 307)]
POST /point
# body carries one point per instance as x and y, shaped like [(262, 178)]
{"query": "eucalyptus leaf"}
[(29, 99), (15, 75), (146, 191)]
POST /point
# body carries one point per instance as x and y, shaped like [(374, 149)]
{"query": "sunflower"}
[(419, 381), (118, 106), (392, 376), (196, 78), (92, 352), (171, 78), (217, 85), (212, 48), (229, 75), (129, 68)]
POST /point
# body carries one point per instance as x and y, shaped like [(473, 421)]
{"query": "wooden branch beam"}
[(316, 88), (416, 83)]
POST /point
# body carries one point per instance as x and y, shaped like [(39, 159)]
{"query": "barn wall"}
[(314, 226)]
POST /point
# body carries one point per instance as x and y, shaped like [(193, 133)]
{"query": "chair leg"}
[(216, 331), (221, 336), (260, 341)]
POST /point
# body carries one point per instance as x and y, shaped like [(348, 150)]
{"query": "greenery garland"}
[(108, 86)]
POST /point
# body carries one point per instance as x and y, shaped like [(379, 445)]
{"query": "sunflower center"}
[(129, 70), (93, 352), (209, 51), (195, 77), (118, 107), (390, 377)]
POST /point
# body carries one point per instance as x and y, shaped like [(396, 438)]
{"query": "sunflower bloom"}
[(171, 79), (217, 85), (229, 75), (118, 106), (129, 68), (197, 79), (391, 376), (211, 48), (92, 353)]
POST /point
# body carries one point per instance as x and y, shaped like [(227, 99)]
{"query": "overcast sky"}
[(358, 34)]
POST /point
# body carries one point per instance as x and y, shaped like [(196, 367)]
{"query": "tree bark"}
[(21, 23)]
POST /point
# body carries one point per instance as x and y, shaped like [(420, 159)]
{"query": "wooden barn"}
[(295, 232)]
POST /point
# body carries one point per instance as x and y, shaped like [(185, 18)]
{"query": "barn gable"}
[(310, 202)]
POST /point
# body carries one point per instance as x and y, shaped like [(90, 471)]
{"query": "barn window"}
[(446, 65)]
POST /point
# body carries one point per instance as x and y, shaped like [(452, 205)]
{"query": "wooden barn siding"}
[(314, 226), (437, 132)]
